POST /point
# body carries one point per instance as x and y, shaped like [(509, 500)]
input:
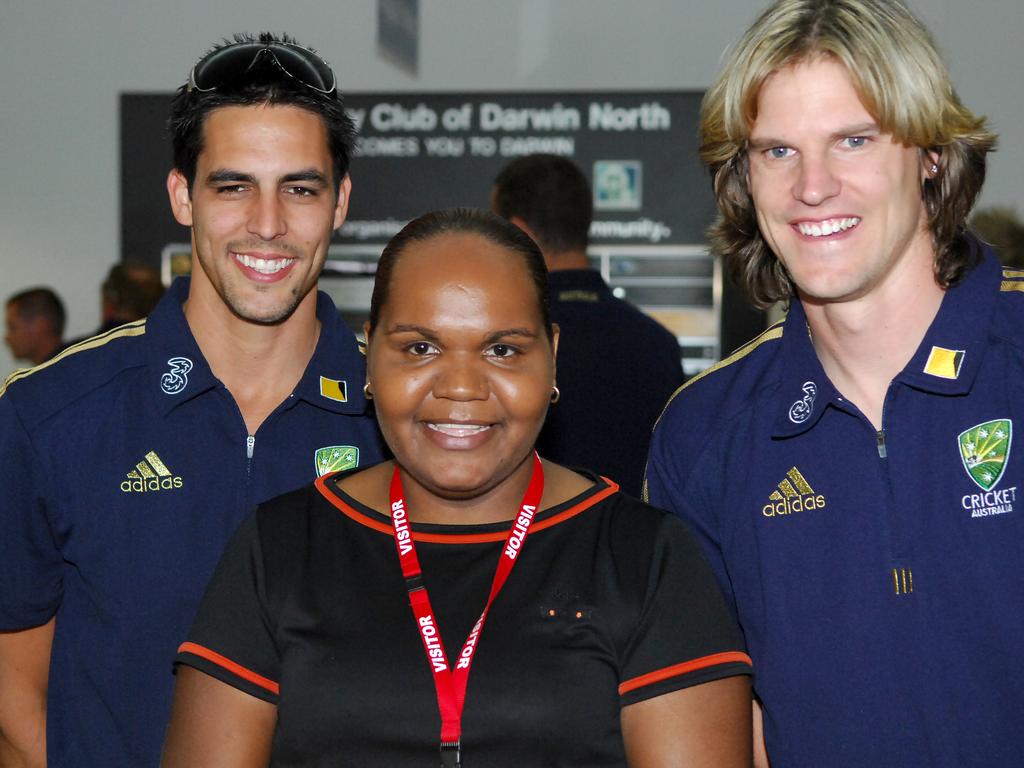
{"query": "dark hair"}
[(264, 83), (902, 82), (549, 193), (40, 302), (132, 290), (462, 221), (1001, 228)]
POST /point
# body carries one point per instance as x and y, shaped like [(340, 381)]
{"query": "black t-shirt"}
[(610, 602)]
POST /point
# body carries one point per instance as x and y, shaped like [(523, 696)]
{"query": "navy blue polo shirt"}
[(617, 368), (125, 466), (878, 576)]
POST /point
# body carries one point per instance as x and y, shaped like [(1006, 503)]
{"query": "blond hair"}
[(902, 81)]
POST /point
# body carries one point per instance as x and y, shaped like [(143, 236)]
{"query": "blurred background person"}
[(35, 325), (129, 292), (617, 367), (1001, 227)]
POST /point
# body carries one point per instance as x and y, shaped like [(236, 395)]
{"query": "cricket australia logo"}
[(801, 410), (985, 451), (335, 458), (176, 379)]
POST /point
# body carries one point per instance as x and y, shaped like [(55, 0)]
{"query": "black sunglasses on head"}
[(227, 64)]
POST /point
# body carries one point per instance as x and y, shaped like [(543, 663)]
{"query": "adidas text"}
[(789, 505), (151, 484)]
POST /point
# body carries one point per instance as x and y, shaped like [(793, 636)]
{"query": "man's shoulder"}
[(581, 297), (723, 405), (641, 321), (1009, 315), (734, 384), (75, 373), (616, 322), (342, 340)]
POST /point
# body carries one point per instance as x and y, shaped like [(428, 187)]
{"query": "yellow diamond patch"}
[(944, 363), (333, 389)]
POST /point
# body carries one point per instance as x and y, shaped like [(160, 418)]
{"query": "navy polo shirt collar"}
[(949, 357), (178, 370), (333, 379), (805, 389), (946, 362), (576, 280), (335, 375)]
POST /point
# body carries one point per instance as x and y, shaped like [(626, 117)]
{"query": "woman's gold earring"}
[(555, 394), (366, 391)]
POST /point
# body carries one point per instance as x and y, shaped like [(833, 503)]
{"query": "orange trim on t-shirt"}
[(230, 666), (462, 538), (686, 667)]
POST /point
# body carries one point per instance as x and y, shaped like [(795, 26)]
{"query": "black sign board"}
[(422, 151), (425, 151)]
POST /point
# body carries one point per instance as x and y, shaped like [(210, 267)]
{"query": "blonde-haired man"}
[(849, 471)]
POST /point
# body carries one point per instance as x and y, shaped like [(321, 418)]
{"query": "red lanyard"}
[(451, 683)]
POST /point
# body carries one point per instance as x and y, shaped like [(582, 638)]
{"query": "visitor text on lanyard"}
[(451, 683)]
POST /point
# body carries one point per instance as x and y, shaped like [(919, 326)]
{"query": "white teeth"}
[(459, 430), (827, 227), (263, 266)]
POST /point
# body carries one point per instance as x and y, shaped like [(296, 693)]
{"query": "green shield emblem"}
[(985, 449), (334, 458)]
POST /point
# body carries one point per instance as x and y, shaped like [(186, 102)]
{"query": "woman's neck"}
[(495, 504), (501, 504)]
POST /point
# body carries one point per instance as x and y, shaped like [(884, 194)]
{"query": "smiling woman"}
[(553, 621), (461, 360)]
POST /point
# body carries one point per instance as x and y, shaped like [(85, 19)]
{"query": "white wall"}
[(62, 66)]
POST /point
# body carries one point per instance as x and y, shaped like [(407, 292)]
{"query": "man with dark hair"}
[(617, 367), (1003, 229), (130, 292), (850, 472), (35, 325), (127, 464)]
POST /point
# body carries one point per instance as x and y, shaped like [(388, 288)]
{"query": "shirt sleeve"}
[(31, 565), (667, 486), (232, 638), (685, 635)]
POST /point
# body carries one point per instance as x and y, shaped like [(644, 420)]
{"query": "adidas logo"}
[(794, 494), (150, 474)]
